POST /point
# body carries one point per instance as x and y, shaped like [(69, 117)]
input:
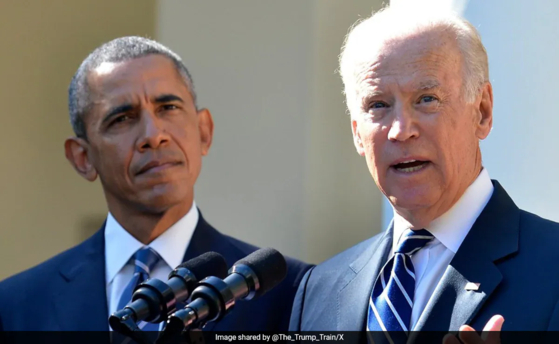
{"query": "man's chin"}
[(411, 199), (159, 201)]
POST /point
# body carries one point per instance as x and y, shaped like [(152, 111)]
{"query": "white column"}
[(521, 151)]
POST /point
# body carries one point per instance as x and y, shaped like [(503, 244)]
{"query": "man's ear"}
[(484, 120), (357, 137), (206, 128), (76, 150)]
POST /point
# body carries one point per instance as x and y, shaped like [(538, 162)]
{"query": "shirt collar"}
[(452, 227), (120, 245)]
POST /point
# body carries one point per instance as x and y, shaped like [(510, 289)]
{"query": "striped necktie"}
[(144, 261), (391, 302)]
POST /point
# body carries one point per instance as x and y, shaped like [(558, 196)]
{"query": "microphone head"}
[(207, 264), (268, 265)]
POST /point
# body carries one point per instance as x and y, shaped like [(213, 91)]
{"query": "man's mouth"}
[(410, 166), (156, 166)]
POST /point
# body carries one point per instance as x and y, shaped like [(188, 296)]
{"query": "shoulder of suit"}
[(325, 278), (327, 273), (530, 218), (295, 268), (539, 229), (349, 255), (242, 248)]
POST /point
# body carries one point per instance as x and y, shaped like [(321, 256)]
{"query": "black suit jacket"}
[(68, 292), (511, 253)]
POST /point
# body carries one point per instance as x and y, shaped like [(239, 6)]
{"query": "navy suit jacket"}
[(68, 292), (511, 253)]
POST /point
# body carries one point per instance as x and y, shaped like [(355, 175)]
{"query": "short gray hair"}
[(400, 20), (117, 50)]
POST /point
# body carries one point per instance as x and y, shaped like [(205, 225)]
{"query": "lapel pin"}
[(472, 286)]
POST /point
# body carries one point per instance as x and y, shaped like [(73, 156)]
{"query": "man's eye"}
[(427, 99), (121, 119), (377, 105), (168, 107)]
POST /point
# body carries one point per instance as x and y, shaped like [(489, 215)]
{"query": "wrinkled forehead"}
[(413, 58)]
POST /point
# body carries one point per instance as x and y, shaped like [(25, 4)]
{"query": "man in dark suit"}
[(459, 253), (138, 128)]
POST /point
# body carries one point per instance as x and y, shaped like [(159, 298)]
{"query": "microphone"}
[(249, 278), (154, 299)]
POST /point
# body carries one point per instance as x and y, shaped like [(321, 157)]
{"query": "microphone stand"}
[(186, 336), (129, 328)]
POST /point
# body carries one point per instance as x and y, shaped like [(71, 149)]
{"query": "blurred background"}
[(282, 170)]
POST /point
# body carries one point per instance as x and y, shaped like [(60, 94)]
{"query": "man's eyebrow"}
[(429, 84), (370, 91), (117, 110), (164, 98)]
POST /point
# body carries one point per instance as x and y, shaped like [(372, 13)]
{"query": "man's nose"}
[(404, 125), (153, 133)]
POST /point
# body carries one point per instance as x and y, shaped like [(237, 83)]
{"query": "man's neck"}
[(422, 217), (146, 226)]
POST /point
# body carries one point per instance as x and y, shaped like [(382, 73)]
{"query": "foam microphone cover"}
[(207, 264), (268, 265)]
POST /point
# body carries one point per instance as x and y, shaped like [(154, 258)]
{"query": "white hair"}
[(397, 21)]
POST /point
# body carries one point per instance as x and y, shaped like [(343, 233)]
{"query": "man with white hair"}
[(459, 254)]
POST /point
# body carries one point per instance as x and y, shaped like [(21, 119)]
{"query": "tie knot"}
[(145, 259), (413, 240)]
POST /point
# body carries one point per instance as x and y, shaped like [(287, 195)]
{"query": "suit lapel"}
[(205, 239), (353, 298), (493, 236), (451, 305), (80, 301)]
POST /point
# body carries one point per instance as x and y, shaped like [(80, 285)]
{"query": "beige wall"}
[(343, 204), (44, 206), (282, 171), (252, 71)]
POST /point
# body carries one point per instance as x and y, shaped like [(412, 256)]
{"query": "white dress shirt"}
[(449, 231), (120, 247)]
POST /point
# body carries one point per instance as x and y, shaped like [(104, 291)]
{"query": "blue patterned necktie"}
[(391, 302), (144, 261)]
